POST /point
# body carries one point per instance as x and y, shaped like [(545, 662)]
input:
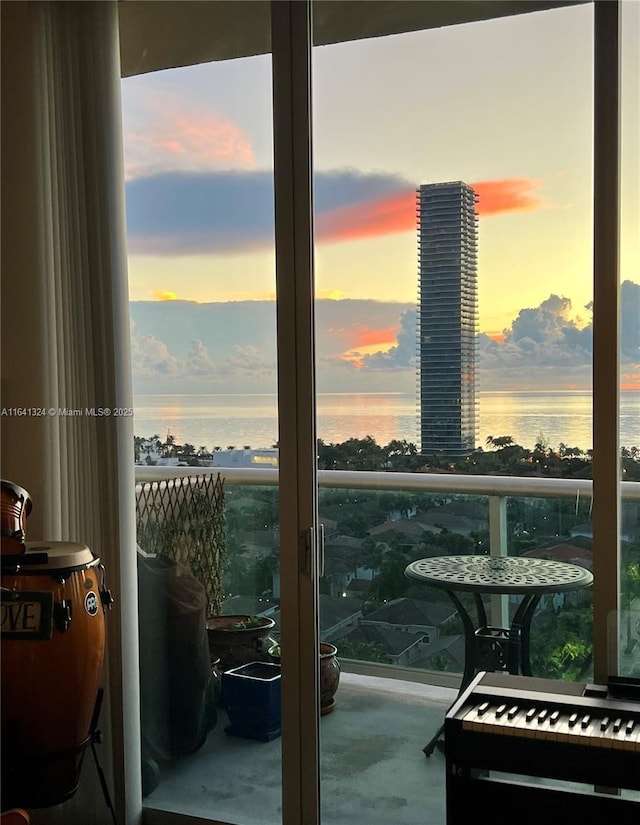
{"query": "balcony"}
[(385, 711), (374, 738)]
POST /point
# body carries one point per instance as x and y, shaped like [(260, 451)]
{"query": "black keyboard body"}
[(535, 749)]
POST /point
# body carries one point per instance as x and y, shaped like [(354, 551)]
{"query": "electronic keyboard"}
[(549, 748)]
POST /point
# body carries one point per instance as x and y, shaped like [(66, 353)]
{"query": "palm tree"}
[(499, 441), (168, 445), (137, 446)]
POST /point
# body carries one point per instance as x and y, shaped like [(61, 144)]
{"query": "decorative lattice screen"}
[(183, 518)]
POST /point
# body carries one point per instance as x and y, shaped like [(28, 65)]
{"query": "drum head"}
[(61, 555)]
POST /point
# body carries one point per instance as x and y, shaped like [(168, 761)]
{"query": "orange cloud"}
[(396, 213), (509, 195), (630, 381), (360, 338), (375, 337), (383, 216)]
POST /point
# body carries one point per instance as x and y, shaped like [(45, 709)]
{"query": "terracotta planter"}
[(329, 674), (329, 677), (236, 646)]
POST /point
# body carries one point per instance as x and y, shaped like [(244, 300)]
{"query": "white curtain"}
[(65, 333)]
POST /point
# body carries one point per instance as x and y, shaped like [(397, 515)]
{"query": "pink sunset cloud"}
[(178, 203), (508, 195), (367, 337), (210, 139), (357, 341), (396, 213), (175, 138), (387, 215), (361, 336)]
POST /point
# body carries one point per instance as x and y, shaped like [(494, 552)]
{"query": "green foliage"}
[(568, 661), (248, 623), (364, 651), (561, 644)]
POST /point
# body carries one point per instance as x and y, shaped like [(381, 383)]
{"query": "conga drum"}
[(52, 648), (15, 506)]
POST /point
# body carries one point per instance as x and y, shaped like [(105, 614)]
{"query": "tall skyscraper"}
[(447, 317)]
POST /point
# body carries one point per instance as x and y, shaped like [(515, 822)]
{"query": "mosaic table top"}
[(499, 574)]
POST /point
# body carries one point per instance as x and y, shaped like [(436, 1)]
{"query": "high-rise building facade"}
[(447, 317)]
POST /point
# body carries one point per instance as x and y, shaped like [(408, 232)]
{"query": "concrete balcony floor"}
[(373, 769)]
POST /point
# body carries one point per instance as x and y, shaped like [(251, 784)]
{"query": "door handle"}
[(320, 550), (312, 542)]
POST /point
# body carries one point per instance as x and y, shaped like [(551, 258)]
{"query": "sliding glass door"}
[(455, 160), (206, 407), (305, 387)]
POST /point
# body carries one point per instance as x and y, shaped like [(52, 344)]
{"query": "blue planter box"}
[(251, 696)]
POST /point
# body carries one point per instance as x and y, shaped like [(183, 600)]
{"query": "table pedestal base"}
[(497, 648), (491, 648)]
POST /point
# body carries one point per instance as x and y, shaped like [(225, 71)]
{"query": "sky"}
[(505, 105)]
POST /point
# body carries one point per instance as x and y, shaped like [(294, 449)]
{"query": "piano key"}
[(469, 717), (600, 733), (565, 728), (628, 738), (549, 730), (512, 721), (575, 722)]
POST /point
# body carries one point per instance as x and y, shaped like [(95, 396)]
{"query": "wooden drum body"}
[(52, 648)]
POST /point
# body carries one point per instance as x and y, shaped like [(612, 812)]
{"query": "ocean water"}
[(252, 420)]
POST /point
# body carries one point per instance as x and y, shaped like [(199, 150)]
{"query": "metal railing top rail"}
[(515, 486)]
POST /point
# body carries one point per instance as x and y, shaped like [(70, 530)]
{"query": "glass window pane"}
[(199, 162), (453, 226), (629, 649)]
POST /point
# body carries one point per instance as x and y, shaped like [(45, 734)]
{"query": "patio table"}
[(496, 648)]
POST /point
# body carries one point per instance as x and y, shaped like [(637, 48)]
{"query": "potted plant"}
[(237, 639), (329, 674)]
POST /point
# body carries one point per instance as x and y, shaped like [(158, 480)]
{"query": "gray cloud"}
[(403, 355), (190, 213), (182, 346), (545, 336), (539, 337)]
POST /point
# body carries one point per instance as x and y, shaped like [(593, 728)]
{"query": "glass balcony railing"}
[(400, 645), (378, 522)]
